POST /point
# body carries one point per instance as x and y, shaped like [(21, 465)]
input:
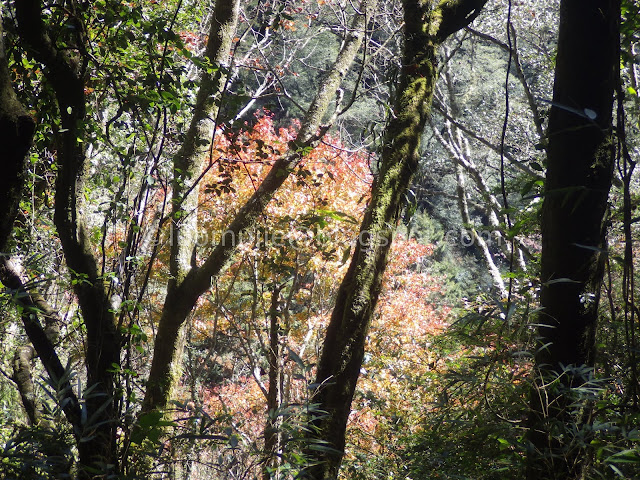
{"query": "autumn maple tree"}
[(273, 303), (275, 297)]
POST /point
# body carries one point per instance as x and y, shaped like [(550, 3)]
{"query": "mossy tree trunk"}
[(16, 131), (65, 71), (187, 167), (427, 25), (580, 160)]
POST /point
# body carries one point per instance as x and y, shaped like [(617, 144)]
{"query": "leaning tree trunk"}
[(426, 27), (195, 280), (579, 174), (16, 131), (187, 168)]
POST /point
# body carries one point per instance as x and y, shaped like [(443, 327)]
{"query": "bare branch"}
[(496, 148), (531, 100), (181, 300)]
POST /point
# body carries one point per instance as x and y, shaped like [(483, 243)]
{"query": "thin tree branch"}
[(453, 15), (181, 300), (496, 148)]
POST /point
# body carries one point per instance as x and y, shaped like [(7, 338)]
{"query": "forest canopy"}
[(324, 239)]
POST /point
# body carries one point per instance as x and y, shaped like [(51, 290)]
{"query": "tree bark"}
[(579, 175), (22, 359), (272, 434), (32, 305), (187, 167), (426, 27), (16, 131)]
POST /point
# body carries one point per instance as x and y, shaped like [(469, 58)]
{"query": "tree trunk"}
[(22, 359), (187, 167), (16, 132), (272, 434), (426, 28), (65, 72), (579, 174), (32, 305)]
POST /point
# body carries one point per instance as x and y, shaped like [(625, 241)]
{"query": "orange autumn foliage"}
[(302, 244)]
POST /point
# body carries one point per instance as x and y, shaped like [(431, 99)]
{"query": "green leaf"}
[(150, 419), (536, 166), (340, 216), (526, 188), (516, 229), (560, 280), (294, 356), (345, 255), (625, 456)]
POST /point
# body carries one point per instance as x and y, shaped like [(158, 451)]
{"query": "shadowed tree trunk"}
[(64, 59), (427, 25), (16, 131), (579, 174), (65, 65), (65, 71)]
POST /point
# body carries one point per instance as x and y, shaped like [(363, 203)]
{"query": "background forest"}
[(319, 239)]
